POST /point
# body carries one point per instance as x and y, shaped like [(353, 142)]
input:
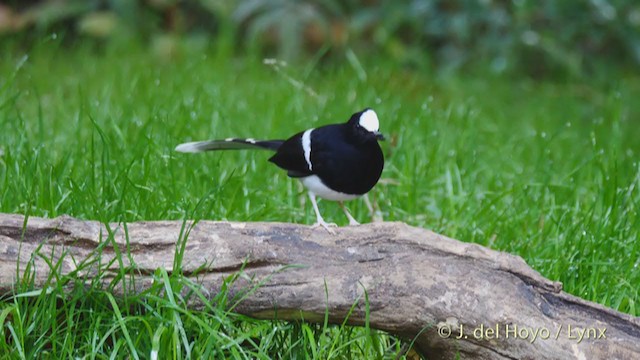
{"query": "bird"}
[(337, 162)]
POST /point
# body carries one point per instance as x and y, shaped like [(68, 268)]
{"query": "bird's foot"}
[(326, 226), (374, 212), (352, 220), (376, 216)]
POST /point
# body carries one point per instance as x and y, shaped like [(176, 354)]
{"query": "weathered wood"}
[(419, 284)]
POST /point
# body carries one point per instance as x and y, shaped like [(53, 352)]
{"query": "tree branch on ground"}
[(420, 285)]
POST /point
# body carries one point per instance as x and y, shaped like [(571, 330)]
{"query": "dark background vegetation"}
[(537, 38)]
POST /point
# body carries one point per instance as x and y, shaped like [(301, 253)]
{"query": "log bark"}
[(453, 298)]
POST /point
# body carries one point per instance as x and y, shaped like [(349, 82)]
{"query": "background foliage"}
[(537, 37)]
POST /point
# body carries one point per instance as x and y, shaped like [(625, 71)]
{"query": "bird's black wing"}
[(341, 164), (290, 157)]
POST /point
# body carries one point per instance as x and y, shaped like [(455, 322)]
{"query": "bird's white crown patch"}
[(369, 121)]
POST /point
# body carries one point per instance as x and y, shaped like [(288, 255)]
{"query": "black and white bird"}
[(336, 162)]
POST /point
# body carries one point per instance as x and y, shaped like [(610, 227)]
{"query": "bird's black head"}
[(365, 125)]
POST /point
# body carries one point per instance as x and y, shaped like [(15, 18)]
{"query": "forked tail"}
[(229, 144)]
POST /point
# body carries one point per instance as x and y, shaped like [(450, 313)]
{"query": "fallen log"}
[(453, 298)]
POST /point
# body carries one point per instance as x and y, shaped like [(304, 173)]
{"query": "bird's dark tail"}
[(229, 144)]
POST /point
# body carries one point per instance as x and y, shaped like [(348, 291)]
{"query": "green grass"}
[(547, 171)]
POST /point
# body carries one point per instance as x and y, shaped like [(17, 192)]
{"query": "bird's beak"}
[(379, 135)]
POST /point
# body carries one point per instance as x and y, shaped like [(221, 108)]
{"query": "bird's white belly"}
[(316, 186)]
